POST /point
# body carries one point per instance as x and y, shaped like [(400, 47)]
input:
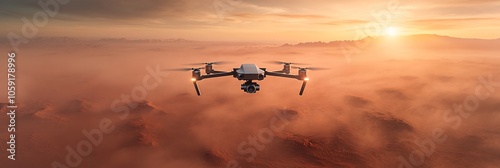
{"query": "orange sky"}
[(258, 20)]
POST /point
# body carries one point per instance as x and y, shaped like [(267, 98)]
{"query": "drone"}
[(248, 73)]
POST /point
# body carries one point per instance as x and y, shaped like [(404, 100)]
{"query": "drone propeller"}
[(211, 63), (183, 69), (311, 68), (285, 63)]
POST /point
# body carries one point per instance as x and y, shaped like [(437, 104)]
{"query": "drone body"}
[(249, 73)]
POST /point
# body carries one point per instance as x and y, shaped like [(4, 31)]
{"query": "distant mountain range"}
[(73, 39), (422, 40)]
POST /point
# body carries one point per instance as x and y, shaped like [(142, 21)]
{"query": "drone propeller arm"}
[(215, 75), (281, 71), (206, 77), (217, 72), (282, 75), (304, 83)]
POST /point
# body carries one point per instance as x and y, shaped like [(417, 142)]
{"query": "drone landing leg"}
[(196, 87), (303, 87)]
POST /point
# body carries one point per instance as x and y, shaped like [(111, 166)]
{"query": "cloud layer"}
[(295, 20)]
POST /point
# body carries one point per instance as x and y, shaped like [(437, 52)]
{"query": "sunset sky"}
[(258, 20)]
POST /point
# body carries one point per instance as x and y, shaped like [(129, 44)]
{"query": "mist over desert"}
[(408, 101)]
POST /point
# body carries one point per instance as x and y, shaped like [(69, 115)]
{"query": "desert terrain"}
[(409, 101)]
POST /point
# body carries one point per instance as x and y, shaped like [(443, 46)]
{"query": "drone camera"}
[(250, 87)]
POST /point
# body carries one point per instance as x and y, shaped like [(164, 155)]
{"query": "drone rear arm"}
[(302, 78), (282, 75), (215, 75), (219, 72)]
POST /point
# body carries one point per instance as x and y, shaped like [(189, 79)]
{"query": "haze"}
[(410, 84)]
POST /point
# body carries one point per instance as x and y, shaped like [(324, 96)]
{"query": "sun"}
[(391, 31)]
